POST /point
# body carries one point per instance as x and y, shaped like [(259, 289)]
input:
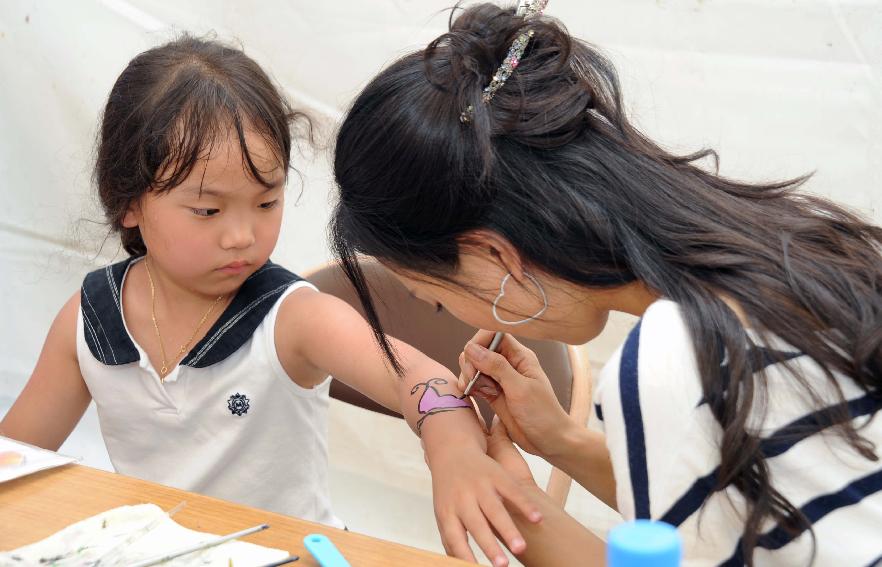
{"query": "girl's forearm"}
[(438, 415), (432, 404)]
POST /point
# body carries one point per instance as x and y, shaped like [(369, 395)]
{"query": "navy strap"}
[(629, 393), (110, 344)]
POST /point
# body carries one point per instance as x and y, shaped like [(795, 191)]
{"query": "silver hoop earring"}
[(502, 293)]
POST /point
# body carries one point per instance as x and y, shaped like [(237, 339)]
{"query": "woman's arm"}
[(559, 539), (55, 397)]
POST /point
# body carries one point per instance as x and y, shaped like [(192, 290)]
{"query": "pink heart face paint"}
[(432, 401)]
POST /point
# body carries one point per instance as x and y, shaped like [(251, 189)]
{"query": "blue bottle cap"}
[(643, 543)]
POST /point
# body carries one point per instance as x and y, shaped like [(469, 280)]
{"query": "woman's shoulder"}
[(660, 332), (662, 339), (657, 358), (664, 317)]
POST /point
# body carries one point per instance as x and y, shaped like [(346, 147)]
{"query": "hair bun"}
[(544, 101)]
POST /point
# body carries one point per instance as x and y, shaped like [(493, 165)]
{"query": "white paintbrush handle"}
[(200, 546)]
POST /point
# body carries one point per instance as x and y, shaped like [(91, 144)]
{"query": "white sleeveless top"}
[(239, 429), (664, 442)]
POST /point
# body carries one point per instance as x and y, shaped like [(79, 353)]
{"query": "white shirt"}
[(665, 448), (238, 429)]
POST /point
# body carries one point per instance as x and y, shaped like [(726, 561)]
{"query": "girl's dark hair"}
[(553, 164), (168, 107)]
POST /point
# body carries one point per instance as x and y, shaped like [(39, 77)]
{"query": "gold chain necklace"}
[(183, 348)]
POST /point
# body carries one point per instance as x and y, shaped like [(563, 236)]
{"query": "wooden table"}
[(36, 506)]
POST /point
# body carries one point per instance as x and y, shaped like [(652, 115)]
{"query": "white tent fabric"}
[(779, 87)]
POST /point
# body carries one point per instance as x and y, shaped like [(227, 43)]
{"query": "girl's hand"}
[(469, 489), (521, 396)]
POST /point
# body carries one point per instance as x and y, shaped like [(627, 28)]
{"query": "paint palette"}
[(11, 458), (129, 534), (20, 459)]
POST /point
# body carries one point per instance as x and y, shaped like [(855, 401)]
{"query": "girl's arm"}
[(55, 397), (318, 334)]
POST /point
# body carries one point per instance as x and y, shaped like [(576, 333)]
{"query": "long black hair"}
[(553, 165), (166, 110)]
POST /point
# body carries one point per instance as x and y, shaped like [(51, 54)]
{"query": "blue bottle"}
[(643, 543)]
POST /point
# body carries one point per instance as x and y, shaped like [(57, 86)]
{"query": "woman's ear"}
[(498, 248), (132, 216)]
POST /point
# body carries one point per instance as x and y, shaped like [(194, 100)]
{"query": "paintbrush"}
[(494, 346), (199, 547), (289, 559)]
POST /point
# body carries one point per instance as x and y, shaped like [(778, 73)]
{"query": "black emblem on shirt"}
[(238, 404)]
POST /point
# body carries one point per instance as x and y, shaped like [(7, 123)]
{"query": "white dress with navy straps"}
[(228, 421)]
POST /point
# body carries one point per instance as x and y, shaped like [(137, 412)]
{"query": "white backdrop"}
[(779, 87)]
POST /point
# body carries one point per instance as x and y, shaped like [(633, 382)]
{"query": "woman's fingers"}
[(511, 430), (462, 381), (516, 356), (483, 337), (467, 371), (493, 364), (520, 357), (485, 387)]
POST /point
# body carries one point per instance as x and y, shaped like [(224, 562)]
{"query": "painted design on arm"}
[(432, 402)]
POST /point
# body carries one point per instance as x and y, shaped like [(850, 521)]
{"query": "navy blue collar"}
[(110, 344)]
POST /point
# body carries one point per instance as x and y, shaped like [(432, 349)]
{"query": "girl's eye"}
[(438, 308), (269, 204), (205, 212)]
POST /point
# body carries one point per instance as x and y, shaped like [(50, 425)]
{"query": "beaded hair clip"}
[(527, 9)]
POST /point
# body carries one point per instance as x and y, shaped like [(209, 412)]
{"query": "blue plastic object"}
[(643, 543), (325, 552)]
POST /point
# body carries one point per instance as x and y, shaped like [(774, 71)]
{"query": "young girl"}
[(208, 363), (743, 409)]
